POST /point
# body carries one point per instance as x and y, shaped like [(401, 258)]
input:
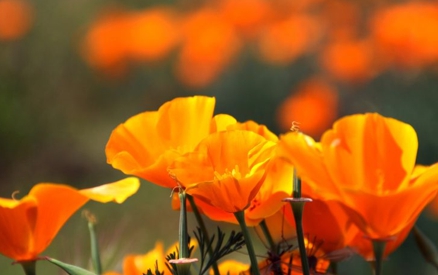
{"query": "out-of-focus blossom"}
[(209, 44), (313, 105), (247, 16), (405, 34), (232, 267), (16, 18), (29, 225), (119, 37), (348, 60), (285, 39)]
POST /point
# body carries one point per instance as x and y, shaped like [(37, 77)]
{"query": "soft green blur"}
[(56, 114)]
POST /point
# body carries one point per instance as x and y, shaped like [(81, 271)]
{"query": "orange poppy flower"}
[(366, 162), (405, 34), (16, 17), (320, 102), (29, 225), (146, 144), (135, 264), (151, 34), (226, 170), (232, 267), (209, 44)]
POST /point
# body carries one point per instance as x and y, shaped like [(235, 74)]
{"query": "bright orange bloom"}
[(226, 170), (348, 60), (314, 105), (405, 34), (151, 34), (286, 39), (147, 143), (367, 163), (29, 225), (256, 14), (135, 264), (16, 17), (105, 46), (209, 44)]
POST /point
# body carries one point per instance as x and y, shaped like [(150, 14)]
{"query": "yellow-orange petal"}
[(139, 264), (381, 150), (220, 122), (17, 220), (117, 191), (305, 154), (56, 203), (232, 267)]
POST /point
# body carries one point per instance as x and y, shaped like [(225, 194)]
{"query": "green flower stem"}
[(296, 185), (183, 239), (240, 216), (297, 208), (203, 229), (95, 255), (379, 249), (268, 236), (29, 267)]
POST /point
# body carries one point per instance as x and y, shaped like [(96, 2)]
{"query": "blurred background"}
[(71, 71)]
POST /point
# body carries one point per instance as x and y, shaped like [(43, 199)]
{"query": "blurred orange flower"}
[(29, 225), (348, 60), (209, 44), (147, 143), (257, 14), (226, 170), (314, 105), (285, 39), (232, 267), (16, 17), (366, 162), (405, 34), (152, 33)]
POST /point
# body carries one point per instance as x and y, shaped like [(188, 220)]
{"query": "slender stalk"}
[(29, 267), (296, 185), (240, 216), (379, 249), (268, 236), (203, 228), (183, 239), (95, 255), (297, 208)]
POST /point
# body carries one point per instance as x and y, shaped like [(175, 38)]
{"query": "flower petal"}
[(117, 191)]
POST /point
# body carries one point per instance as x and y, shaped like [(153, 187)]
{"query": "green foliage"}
[(234, 243), (70, 269)]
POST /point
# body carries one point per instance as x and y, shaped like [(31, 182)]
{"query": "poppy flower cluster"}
[(348, 46), (355, 181), (359, 175)]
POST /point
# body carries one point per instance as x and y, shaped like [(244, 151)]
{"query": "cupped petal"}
[(369, 151), (117, 191), (256, 128), (221, 122), (146, 144), (185, 121), (305, 154), (17, 224), (55, 204)]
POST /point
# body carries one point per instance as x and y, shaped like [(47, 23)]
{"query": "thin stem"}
[(95, 255), (379, 249), (268, 236), (297, 208), (240, 216), (296, 184), (183, 239), (203, 228), (29, 267)]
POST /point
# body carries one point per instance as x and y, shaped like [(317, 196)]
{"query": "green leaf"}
[(427, 248), (70, 269)]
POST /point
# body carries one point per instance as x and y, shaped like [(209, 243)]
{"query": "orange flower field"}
[(240, 137)]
